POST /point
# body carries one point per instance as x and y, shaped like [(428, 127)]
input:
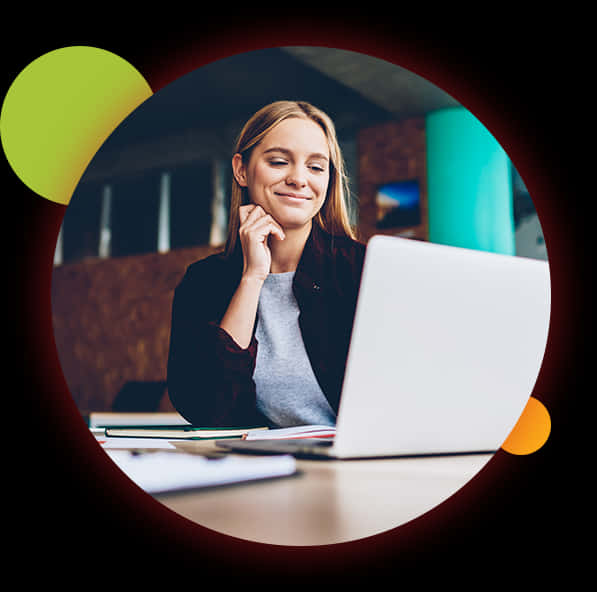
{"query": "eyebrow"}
[(289, 152)]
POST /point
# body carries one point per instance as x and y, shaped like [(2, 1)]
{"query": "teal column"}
[(468, 183)]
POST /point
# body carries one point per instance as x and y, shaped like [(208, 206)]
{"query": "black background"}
[(75, 520)]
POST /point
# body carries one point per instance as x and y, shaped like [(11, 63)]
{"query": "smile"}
[(292, 195)]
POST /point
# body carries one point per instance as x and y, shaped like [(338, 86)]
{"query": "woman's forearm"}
[(239, 319)]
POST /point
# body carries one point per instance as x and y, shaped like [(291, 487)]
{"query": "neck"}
[(286, 254)]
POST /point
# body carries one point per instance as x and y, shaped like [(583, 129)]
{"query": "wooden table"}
[(327, 501)]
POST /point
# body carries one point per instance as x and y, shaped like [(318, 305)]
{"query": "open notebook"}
[(302, 432)]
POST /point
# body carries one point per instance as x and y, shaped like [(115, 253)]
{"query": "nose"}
[(296, 177)]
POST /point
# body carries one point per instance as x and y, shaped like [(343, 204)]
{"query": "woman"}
[(260, 332)]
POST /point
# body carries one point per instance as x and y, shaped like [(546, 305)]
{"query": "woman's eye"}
[(278, 162)]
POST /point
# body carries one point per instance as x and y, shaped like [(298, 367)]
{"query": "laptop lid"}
[(446, 347)]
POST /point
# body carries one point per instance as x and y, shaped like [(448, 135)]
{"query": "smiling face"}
[(288, 172)]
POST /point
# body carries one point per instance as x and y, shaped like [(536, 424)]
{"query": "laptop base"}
[(320, 449), (301, 448)]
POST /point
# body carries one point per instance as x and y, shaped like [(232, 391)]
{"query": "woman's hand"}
[(255, 227)]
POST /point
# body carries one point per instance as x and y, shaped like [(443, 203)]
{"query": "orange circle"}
[(531, 430)]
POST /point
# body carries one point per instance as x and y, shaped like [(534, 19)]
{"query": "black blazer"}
[(210, 377)]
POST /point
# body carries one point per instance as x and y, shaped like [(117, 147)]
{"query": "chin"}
[(293, 225), (288, 217), (289, 222)]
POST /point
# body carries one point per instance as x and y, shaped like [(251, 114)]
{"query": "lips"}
[(292, 195)]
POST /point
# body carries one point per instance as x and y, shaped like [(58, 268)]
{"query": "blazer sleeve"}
[(210, 377)]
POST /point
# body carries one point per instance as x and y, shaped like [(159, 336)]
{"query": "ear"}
[(239, 170)]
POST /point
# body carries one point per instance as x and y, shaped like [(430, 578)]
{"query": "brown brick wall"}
[(112, 322), (393, 151)]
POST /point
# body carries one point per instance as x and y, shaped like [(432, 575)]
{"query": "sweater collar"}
[(310, 272)]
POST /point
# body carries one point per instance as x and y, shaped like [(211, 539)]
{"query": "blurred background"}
[(155, 198)]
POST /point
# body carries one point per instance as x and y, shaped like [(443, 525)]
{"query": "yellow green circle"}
[(60, 109)]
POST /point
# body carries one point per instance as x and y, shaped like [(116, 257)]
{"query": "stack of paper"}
[(305, 431), (134, 443), (161, 472)]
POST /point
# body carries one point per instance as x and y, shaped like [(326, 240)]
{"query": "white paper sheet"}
[(129, 443), (160, 472), (304, 431)]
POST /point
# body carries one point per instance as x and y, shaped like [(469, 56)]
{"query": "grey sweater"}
[(288, 393)]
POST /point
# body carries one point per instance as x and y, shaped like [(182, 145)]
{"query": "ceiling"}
[(199, 114), (397, 90)]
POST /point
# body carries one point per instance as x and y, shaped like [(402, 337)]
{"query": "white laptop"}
[(446, 347)]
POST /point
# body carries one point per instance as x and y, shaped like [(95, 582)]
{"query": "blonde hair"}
[(333, 216)]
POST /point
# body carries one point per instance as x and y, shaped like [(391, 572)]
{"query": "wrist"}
[(252, 279)]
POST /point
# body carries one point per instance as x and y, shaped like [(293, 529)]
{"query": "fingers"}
[(261, 228), (253, 218), (244, 212), (267, 225), (250, 213)]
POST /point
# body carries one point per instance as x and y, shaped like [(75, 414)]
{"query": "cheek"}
[(264, 175), (322, 188)]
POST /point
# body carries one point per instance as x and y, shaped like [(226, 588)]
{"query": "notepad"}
[(181, 433), (163, 472), (135, 419), (305, 431)]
